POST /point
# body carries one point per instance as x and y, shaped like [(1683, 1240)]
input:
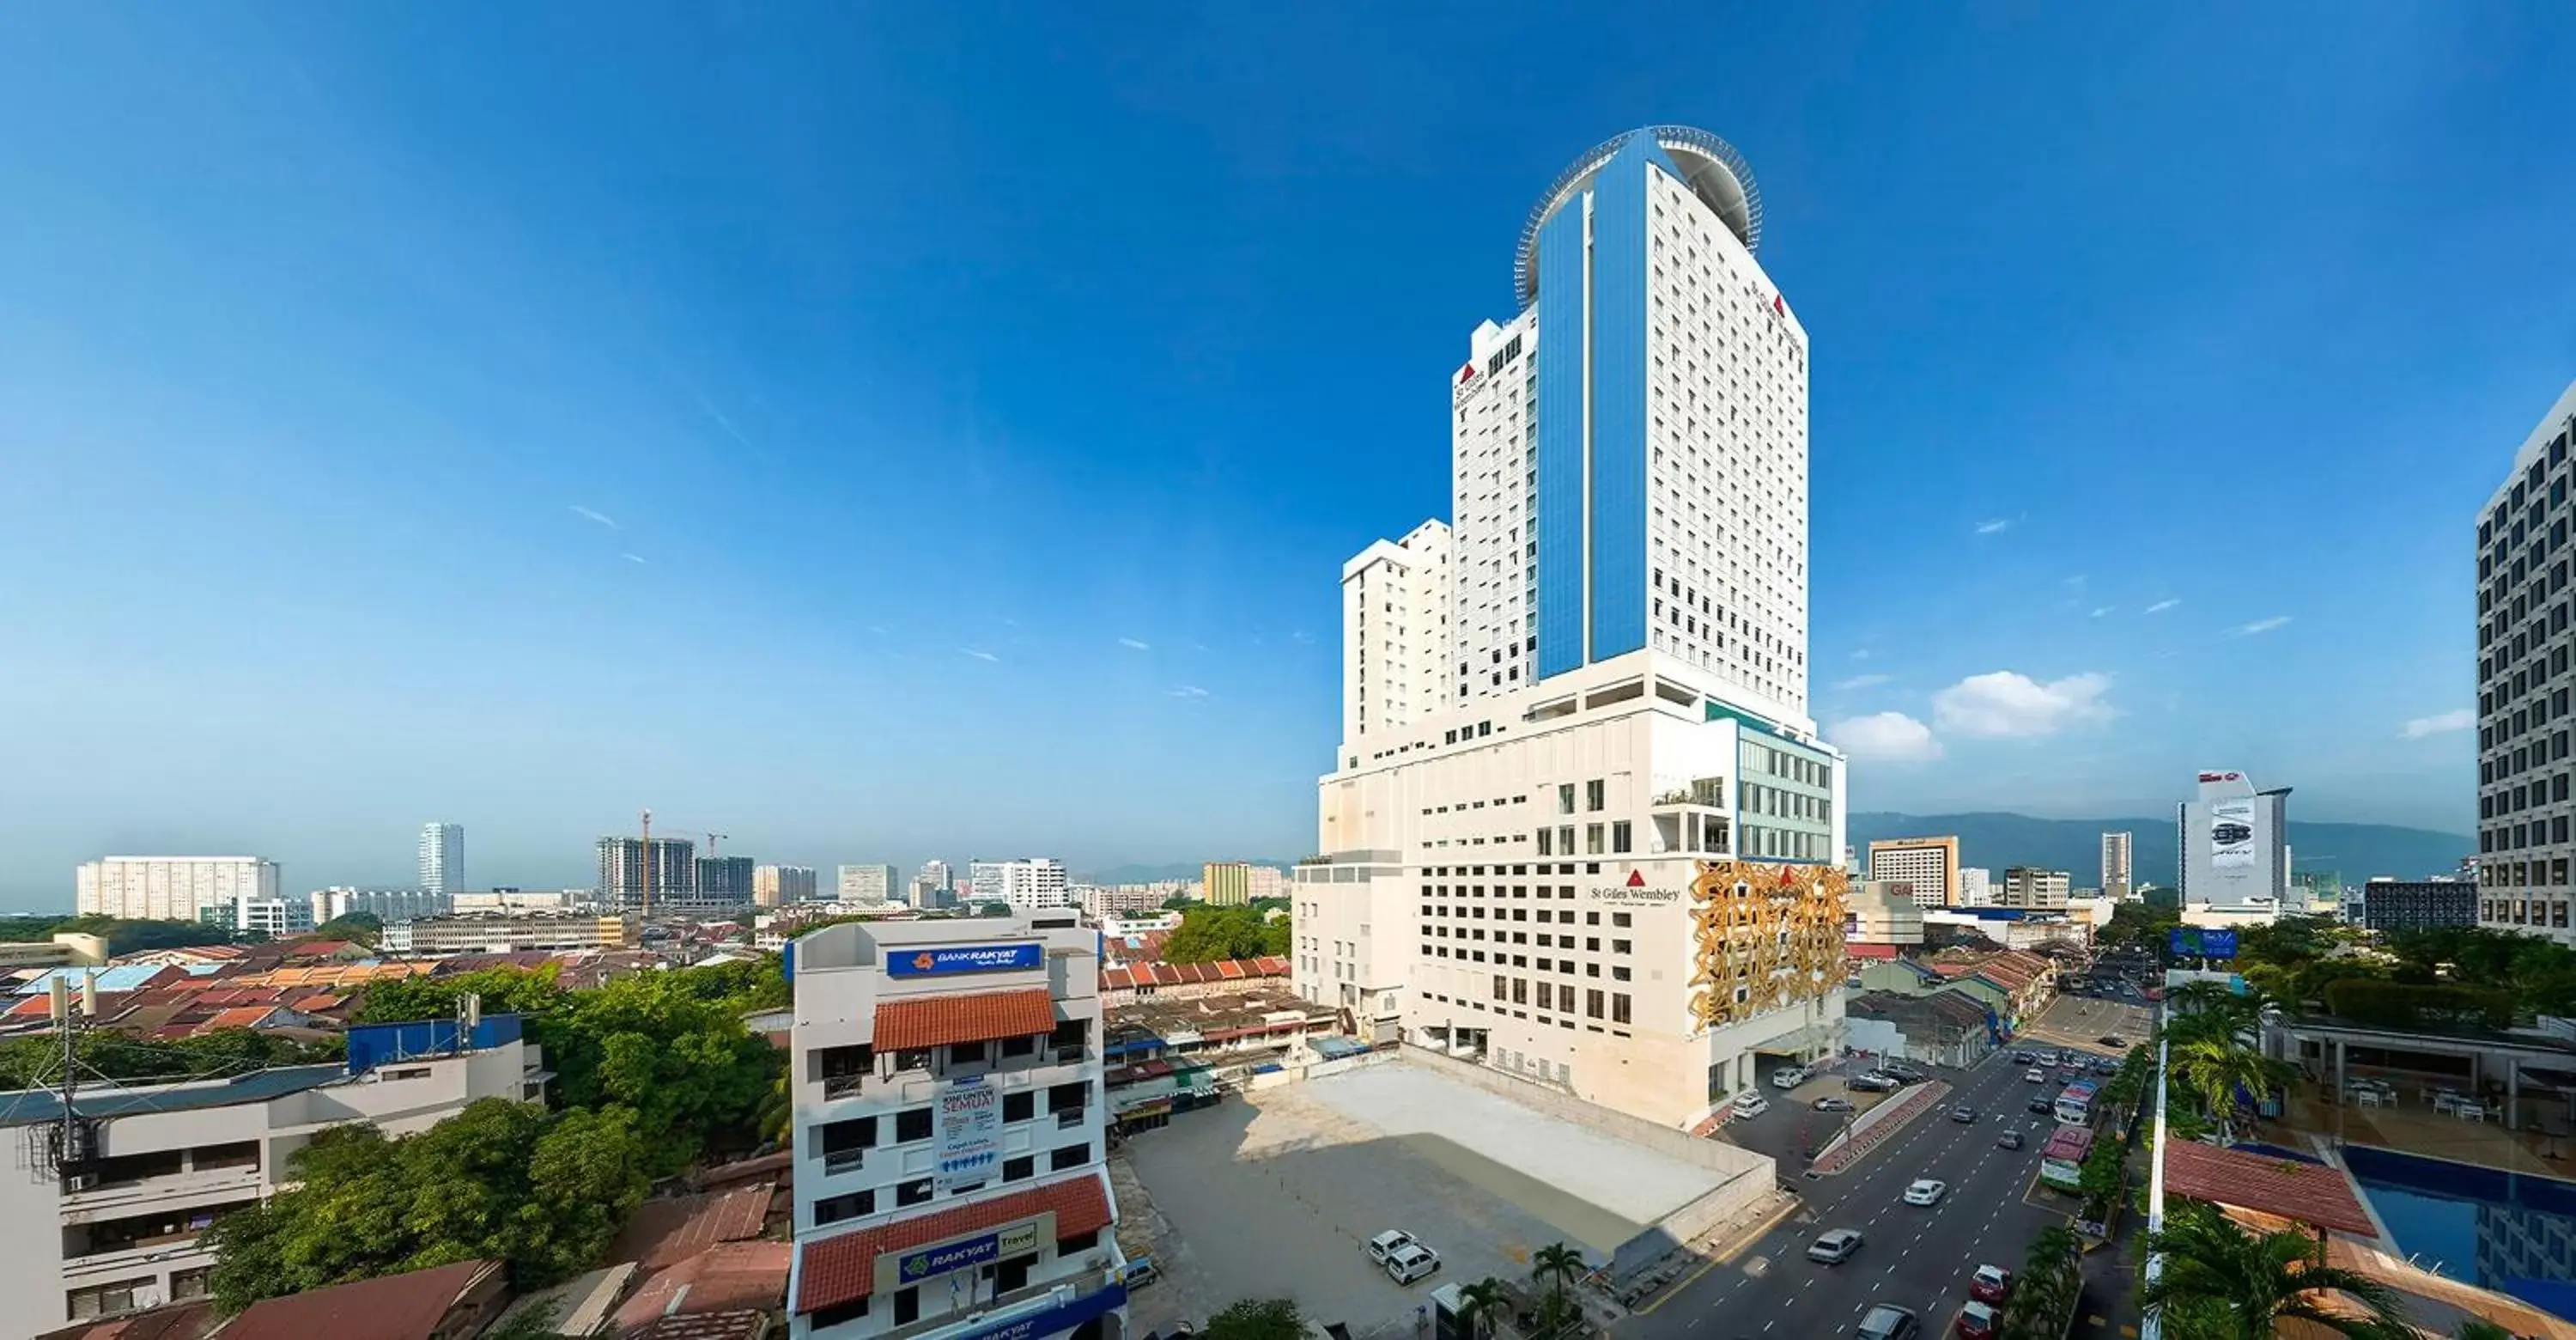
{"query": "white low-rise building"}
[(949, 1132), (105, 1213)]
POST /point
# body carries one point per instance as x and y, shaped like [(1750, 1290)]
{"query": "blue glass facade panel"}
[(1618, 567), (1558, 508)]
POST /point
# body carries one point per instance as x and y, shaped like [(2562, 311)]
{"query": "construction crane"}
[(647, 822)]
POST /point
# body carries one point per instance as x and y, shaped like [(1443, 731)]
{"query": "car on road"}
[(2034, 1075), (2040, 1106), (1411, 1262), (2024, 1057), (2106, 1066), (1788, 1077), (1833, 1104), (1925, 1191), (1835, 1247), (1887, 1321), (1963, 1114), (1905, 1074), (2113, 1041), (2048, 1058), (1978, 1321), (1388, 1243), (2008, 1140), (1991, 1284)]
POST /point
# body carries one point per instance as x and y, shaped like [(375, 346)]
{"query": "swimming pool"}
[(2510, 1232)]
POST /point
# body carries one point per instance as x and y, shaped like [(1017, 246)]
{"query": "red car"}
[(1978, 1321), (1991, 1284)]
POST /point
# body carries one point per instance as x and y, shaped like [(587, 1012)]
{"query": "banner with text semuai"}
[(947, 960)]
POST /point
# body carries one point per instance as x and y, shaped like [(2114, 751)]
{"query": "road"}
[(1914, 1257)]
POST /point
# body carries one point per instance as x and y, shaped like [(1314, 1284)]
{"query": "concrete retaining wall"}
[(1748, 1176)]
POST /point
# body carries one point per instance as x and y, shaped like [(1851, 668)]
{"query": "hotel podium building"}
[(1581, 828)]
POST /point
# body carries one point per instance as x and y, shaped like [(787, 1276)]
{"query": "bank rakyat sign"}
[(1633, 893), (929, 1262), (947, 960)]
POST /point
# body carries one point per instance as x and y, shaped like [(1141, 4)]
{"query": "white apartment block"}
[(2117, 878), (1624, 698), (1976, 886), (1930, 864), (950, 1132), (869, 884), (275, 918), (1395, 618), (171, 888), (110, 1219), (2525, 678), (1028, 884), (442, 857), (2034, 889), (510, 933), (386, 905)]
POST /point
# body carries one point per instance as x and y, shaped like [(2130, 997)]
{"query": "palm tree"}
[(1479, 1303), (2479, 1328), (2224, 1283), (2044, 1297), (1557, 1266), (2212, 1070)]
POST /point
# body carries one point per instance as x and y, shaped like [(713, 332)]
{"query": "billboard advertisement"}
[(2193, 942), (945, 960), (2231, 834), (970, 1134)]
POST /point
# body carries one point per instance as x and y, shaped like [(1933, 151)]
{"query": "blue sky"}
[(900, 431)]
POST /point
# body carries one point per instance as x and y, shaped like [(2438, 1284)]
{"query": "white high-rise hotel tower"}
[(1596, 676)]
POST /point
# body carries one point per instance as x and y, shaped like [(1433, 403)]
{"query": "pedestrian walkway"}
[(1875, 1126)]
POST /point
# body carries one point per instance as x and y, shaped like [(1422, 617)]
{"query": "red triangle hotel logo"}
[(1636, 879)]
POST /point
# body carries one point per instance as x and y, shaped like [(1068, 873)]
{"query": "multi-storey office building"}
[(1617, 766), (2525, 680), (1027, 884), (442, 858), (2117, 881), (873, 883), (170, 888), (623, 880), (2417, 905), (107, 1214), (2034, 889), (1929, 864), (950, 1132), (778, 885)]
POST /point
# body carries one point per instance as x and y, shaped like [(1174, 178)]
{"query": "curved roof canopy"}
[(1708, 165)]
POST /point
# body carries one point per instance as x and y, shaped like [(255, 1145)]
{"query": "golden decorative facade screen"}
[(1768, 935)]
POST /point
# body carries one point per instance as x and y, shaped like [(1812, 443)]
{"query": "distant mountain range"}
[(1994, 841)]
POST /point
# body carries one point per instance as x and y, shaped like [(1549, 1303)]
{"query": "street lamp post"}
[(2151, 1326)]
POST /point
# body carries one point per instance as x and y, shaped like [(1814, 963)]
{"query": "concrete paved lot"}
[(1275, 1194)]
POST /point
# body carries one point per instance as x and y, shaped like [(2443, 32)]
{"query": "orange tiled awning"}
[(843, 1269), (936, 1021), (2310, 1193)]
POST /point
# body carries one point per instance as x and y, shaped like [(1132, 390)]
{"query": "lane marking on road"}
[(1720, 1259)]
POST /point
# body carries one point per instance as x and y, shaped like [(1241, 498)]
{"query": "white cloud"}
[(1132, 644), (2441, 723), (1301, 636), (2004, 704), (602, 518), (1864, 682), (979, 655), (2100, 610), (1860, 654), (632, 558), (1188, 691), (1885, 737), (2262, 625), (2162, 605), (1993, 526), (2075, 583)]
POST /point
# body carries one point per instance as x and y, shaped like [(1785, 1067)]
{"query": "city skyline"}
[(2043, 581)]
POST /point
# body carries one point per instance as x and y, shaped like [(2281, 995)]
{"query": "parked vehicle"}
[(1411, 1262), (2034, 1075), (1991, 1284), (1978, 1321), (1751, 1105), (1835, 1247), (1788, 1077), (1833, 1105), (1887, 1321), (1870, 1083), (1925, 1191), (2042, 1106), (1388, 1243), (2024, 1056)]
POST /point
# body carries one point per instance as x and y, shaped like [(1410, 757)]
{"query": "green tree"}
[(1556, 1266), (1258, 1319), (2211, 1071), (364, 928), (1213, 934), (504, 1180), (2045, 1292), (994, 909), (2221, 1282), (1480, 1303)]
